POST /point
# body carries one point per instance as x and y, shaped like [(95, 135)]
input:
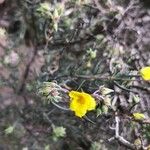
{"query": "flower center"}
[(81, 100)]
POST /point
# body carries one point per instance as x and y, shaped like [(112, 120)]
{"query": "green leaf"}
[(105, 109), (98, 112), (58, 132), (105, 90), (47, 147), (96, 146), (9, 130), (136, 99), (107, 101)]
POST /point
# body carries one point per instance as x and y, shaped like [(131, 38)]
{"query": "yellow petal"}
[(138, 116), (73, 94), (80, 112), (145, 73), (92, 104), (75, 105), (79, 109), (89, 101)]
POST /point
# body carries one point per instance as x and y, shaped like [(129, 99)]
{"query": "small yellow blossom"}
[(145, 73), (81, 103), (138, 116)]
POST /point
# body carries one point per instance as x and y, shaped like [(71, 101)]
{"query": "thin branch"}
[(99, 7), (35, 41), (147, 89), (88, 119), (93, 77), (124, 88), (117, 127), (119, 138), (47, 118), (60, 107)]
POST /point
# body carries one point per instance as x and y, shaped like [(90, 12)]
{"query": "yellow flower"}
[(81, 103), (145, 73), (138, 116)]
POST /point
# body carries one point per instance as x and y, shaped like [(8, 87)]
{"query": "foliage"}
[(58, 132), (86, 56)]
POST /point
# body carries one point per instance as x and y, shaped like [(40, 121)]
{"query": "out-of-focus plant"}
[(146, 131), (2, 32), (58, 132), (47, 147), (50, 92), (16, 129), (138, 143), (95, 146), (105, 91), (98, 145), (91, 55), (103, 94), (136, 99), (44, 10), (51, 13), (9, 129)]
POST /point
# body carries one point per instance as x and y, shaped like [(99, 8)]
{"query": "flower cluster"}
[(81, 102)]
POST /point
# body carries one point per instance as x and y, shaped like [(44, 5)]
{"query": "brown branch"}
[(147, 89), (35, 41), (93, 77), (124, 88), (99, 7)]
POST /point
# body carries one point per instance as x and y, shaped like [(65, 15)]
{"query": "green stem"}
[(89, 77)]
